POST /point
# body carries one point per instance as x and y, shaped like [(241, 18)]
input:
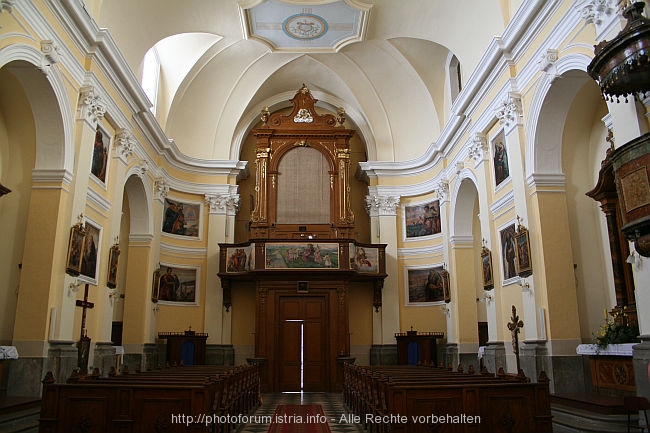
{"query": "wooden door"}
[(302, 343)]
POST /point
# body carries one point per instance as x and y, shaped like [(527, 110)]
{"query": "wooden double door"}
[(300, 335), (302, 343)]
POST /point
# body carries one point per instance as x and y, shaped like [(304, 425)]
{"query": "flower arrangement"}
[(616, 330)]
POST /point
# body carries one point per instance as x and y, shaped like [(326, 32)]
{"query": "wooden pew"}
[(181, 399), (414, 399)]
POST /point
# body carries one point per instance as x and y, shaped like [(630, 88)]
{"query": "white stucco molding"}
[(124, 145), (223, 204), (510, 112), (478, 148), (378, 204), (91, 106), (542, 159), (54, 141), (161, 187)]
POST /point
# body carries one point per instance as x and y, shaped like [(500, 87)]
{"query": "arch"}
[(463, 198), (53, 116), (140, 203), (551, 103)]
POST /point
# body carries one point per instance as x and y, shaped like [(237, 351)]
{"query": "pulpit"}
[(187, 346), (415, 347)]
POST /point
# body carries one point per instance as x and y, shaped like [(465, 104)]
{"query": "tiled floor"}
[(332, 406)]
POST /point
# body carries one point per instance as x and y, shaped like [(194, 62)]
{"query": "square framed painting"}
[(524, 264), (425, 285), (240, 259), (364, 260), (75, 249), (176, 285), (486, 267), (422, 220), (90, 254), (113, 262), (508, 252), (101, 146), (500, 158), (182, 218)]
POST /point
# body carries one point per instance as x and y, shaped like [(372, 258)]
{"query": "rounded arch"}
[(140, 200), (550, 105), (53, 116), (251, 118), (463, 199)]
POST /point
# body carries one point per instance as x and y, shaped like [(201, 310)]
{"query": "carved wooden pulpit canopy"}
[(281, 214)]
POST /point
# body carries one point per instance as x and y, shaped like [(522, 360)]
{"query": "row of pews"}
[(428, 399), (201, 398)]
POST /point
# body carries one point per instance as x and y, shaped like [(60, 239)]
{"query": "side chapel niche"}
[(302, 164)]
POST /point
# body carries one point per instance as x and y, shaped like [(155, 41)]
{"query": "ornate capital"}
[(51, 55), (547, 61), (223, 203), (510, 111), (6, 5), (161, 187), (478, 147), (377, 205), (441, 189), (594, 11), (124, 143), (91, 105)]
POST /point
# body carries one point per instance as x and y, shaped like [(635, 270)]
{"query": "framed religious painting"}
[(182, 218), (424, 285), (446, 289), (90, 254), (75, 248), (176, 285), (113, 261), (99, 165), (500, 159), (422, 220), (486, 266), (522, 241), (508, 252)]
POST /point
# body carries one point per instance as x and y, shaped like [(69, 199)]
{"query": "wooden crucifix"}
[(83, 346), (515, 326)]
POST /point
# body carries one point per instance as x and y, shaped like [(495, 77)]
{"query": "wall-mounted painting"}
[(500, 158), (425, 285), (422, 219), (100, 154), (75, 249), (90, 255), (524, 264), (486, 266), (300, 256), (113, 262), (181, 218), (508, 252), (364, 259), (176, 285), (240, 259)]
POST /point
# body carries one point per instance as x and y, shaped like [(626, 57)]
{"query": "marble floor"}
[(332, 404)]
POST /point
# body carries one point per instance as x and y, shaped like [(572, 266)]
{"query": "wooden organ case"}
[(302, 265), (280, 134)]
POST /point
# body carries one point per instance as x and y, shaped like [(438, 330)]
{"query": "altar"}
[(611, 366)]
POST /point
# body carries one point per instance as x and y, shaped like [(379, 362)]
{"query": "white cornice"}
[(99, 203), (499, 55), (420, 251), (503, 204), (51, 176), (176, 250)]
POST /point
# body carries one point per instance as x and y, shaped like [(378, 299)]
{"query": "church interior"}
[(298, 187)]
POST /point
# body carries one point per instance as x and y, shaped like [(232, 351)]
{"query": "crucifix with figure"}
[(83, 346), (515, 326)]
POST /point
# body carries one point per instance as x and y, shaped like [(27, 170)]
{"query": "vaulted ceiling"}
[(385, 61)]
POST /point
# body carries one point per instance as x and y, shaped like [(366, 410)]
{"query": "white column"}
[(510, 116), (221, 228), (383, 215)]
